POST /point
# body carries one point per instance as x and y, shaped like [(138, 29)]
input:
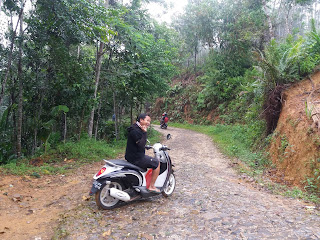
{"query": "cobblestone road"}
[(209, 202)]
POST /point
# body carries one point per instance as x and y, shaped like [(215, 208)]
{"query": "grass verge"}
[(66, 157)]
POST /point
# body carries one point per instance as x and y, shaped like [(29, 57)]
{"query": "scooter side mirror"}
[(168, 136)]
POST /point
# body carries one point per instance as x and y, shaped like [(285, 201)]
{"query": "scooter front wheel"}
[(170, 186), (103, 198)]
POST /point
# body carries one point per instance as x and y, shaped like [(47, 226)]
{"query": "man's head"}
[(144, 119)]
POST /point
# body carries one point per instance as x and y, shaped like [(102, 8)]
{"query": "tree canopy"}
[(68, 66)]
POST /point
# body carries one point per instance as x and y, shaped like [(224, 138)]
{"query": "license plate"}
[(96, 185)]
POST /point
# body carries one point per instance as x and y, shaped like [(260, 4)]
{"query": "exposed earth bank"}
[(210, 202), (295, 143)]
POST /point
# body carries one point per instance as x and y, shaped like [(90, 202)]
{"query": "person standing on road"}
[(135, 151)]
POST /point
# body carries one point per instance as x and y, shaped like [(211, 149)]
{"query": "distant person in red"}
[(164, 120)]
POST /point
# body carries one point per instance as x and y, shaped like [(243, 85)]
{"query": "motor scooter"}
[(164, 123), (119, 181)]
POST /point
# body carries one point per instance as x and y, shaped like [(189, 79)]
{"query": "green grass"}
[(89, 150), (23, 168), (69, 156)]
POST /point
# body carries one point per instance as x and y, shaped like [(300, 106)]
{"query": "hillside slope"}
[(295, 144)]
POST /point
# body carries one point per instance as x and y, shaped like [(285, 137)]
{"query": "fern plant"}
[(314, 39), (312, 46), (280, 62)]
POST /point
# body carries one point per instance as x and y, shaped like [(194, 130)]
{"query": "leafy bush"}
[(6, 145), (89, 149), (280, 61), (223, 77), (289, 60), (107, 130)]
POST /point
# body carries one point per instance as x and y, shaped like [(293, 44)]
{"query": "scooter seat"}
[(126, 164)]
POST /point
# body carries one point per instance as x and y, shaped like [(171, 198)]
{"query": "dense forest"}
[(68, 68)]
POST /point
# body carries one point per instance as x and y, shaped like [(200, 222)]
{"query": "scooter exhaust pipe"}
[(121, 195)]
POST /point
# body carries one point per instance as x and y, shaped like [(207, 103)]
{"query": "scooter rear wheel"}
[(170, 186), (103, 198)]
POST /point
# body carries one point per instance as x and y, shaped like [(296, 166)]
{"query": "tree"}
[(20, 79), (52, 81), (12, 8)]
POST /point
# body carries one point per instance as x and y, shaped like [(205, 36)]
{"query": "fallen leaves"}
[(85, 198), (107, 233)]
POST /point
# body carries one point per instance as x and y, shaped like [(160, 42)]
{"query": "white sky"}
[(160, 13), (174, 8)]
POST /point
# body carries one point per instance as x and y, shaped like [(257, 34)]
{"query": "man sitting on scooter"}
[(135, 151)]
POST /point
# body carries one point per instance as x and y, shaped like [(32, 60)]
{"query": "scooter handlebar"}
[(164, 148), (148, 147)]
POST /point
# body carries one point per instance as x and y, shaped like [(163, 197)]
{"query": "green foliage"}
[(313, 183), (70, 155), (307, 110), (313, 40), (201, 101), (298, 193), (4, 141), (87, 149), (107, 130), (290, 60), (81, 152), (280, 62), (229, 27), (59, 56), (58, 109), (23, 168)]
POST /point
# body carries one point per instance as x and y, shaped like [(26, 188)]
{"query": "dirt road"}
[(210, 202)]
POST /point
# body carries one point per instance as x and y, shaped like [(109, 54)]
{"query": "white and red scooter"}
[(119, 181)]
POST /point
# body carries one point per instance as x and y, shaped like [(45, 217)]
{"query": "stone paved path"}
[(209, 202)]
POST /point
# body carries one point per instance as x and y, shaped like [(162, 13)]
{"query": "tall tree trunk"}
[(131, 114), (98, 118), (20, 98), (115, 109), (4, 83), (81, 123), (288, 27), (14, 120), (100, 53), (315, 14), (65, 127), (97, 79), (37, 118), (78, 54), (270, 26), (195, 59)]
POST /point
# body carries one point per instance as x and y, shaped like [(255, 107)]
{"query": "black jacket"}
[(136, 144)]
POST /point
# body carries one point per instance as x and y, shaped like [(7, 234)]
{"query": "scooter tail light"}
[(100, 171)]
